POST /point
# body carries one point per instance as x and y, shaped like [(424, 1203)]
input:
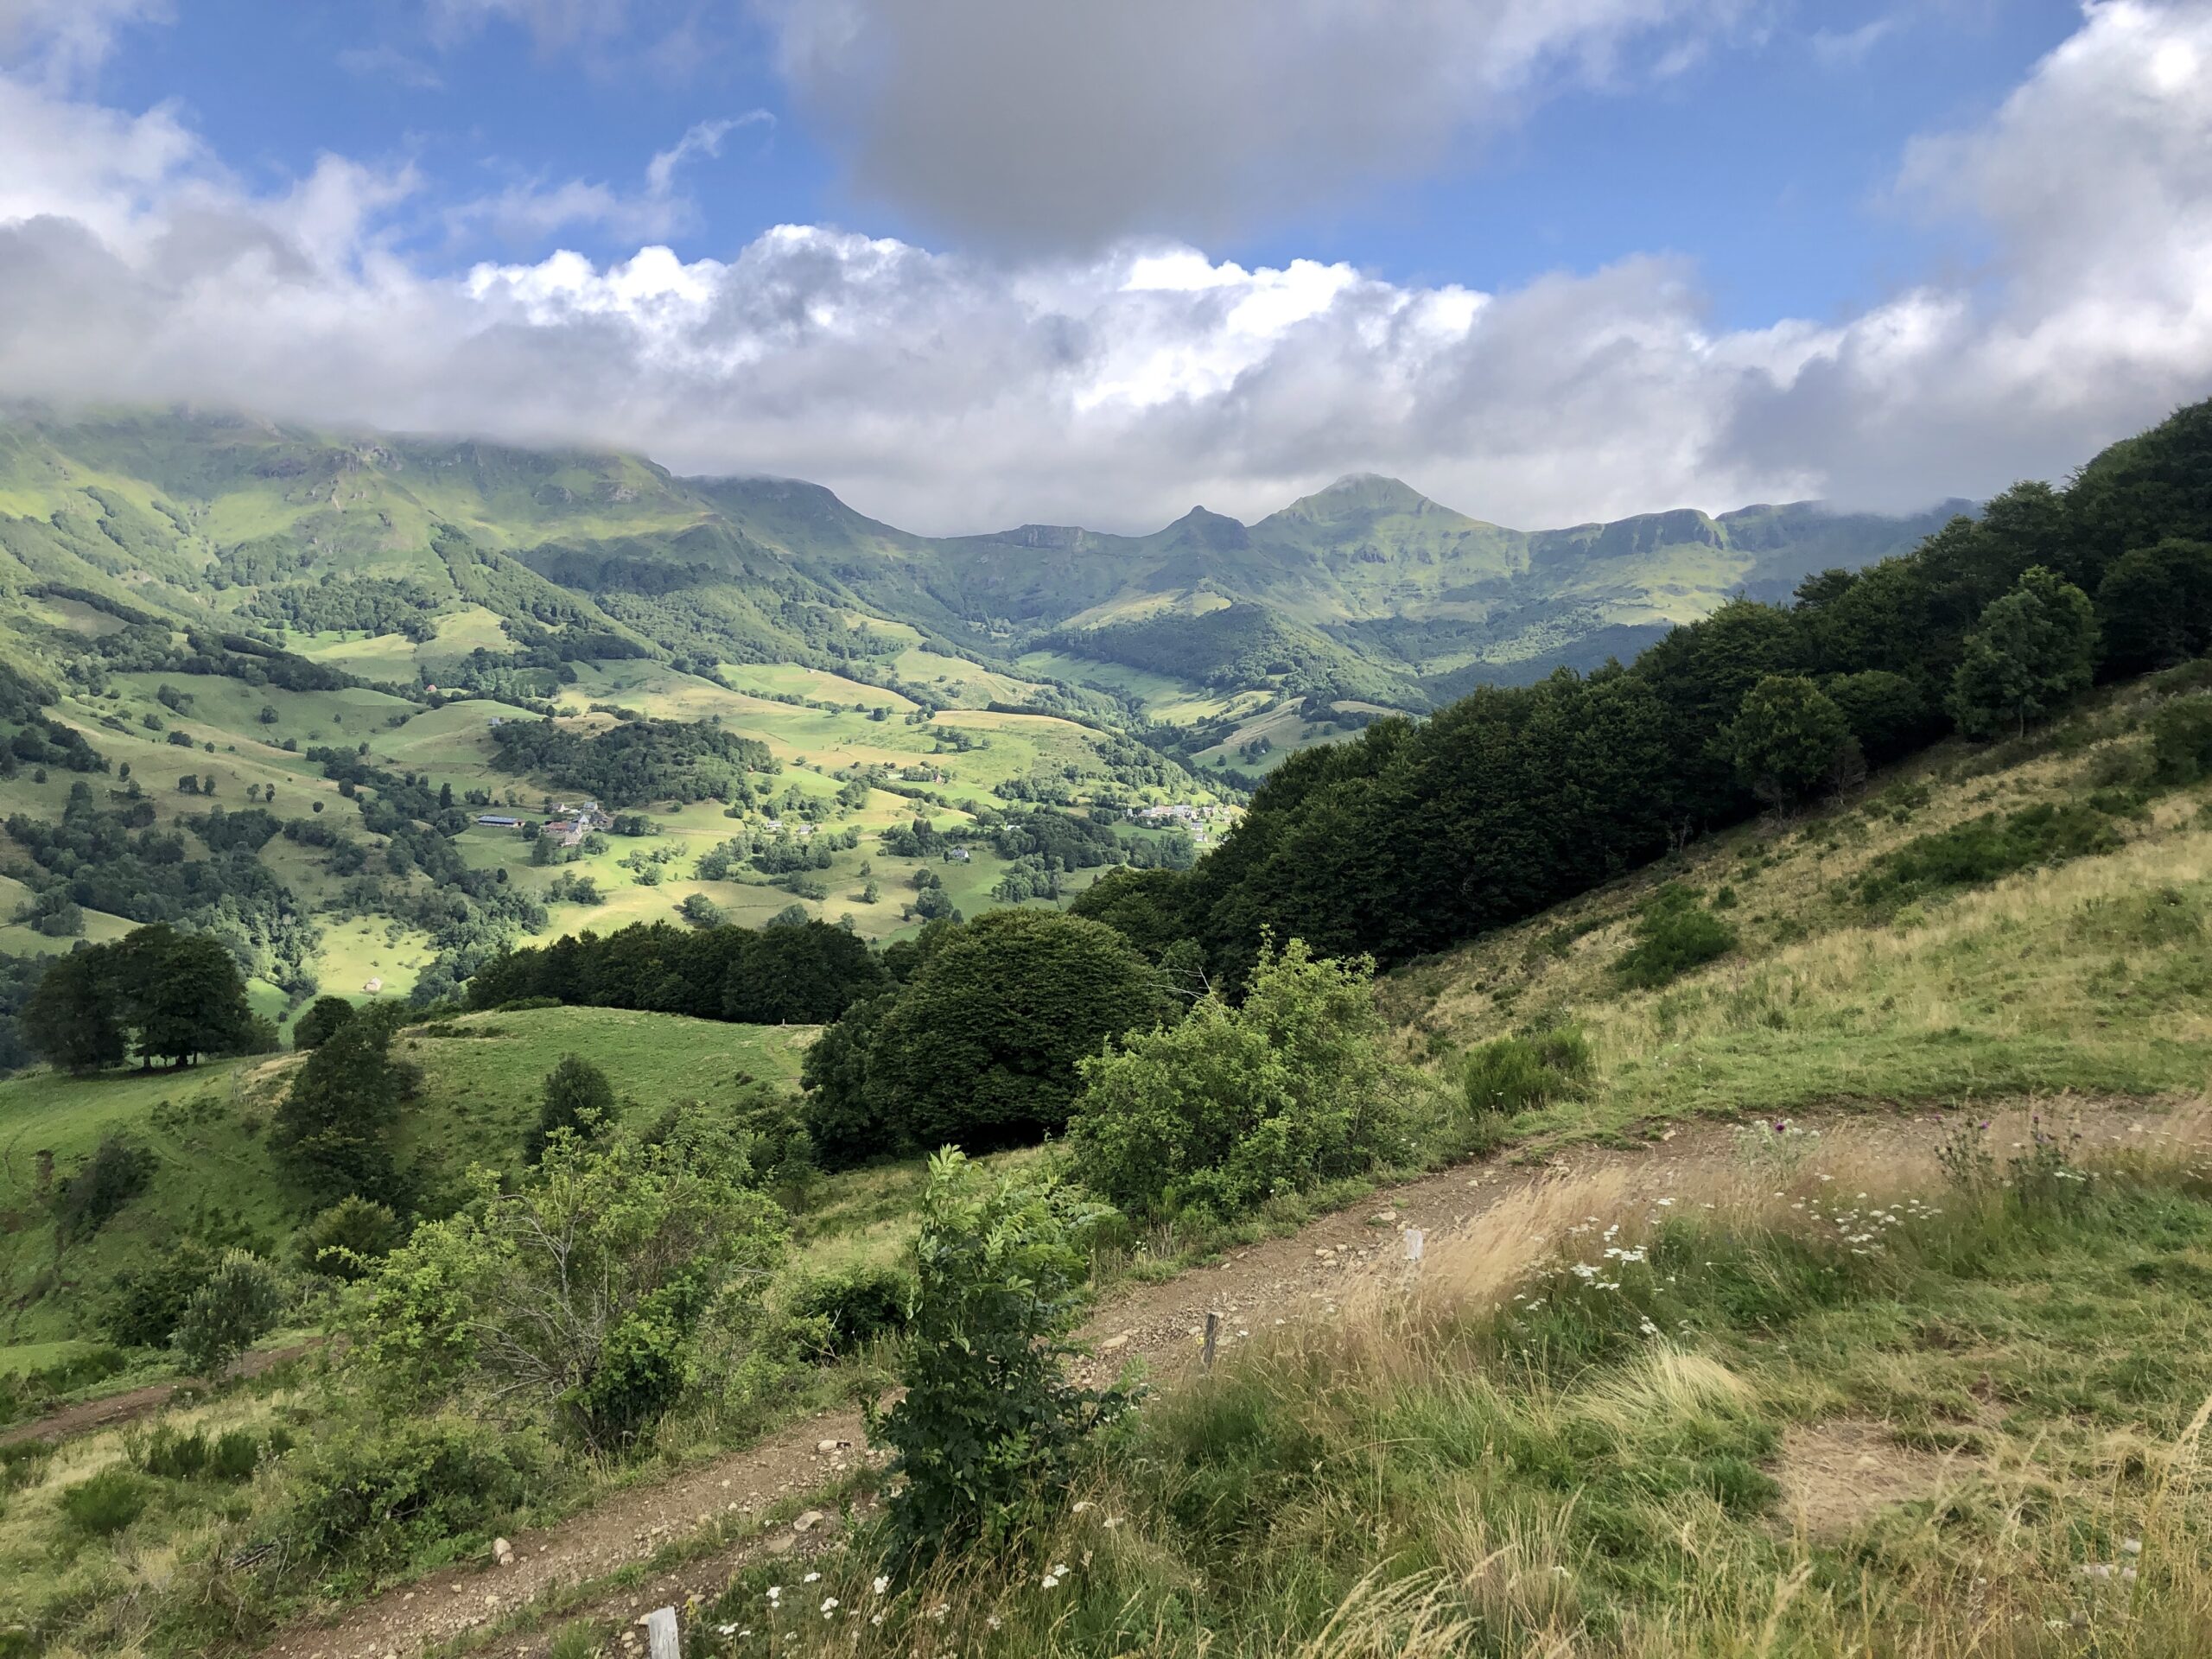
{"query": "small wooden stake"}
[(661, 1642), (1213, 1334)]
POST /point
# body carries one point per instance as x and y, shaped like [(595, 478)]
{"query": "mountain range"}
[(1365, 593)]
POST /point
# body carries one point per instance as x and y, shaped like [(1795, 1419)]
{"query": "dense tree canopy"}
[(2034, 647), (156, 992), (980, 1046), (805, 974), (1788, 737), (1412, 837), (634, 761)]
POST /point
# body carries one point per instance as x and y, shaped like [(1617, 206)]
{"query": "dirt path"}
[(1162, 1324), (113, 1410)]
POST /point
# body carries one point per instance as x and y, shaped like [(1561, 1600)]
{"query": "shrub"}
[(1986, 848), (986, 1433), (106, 1503), (1233, 1106), (1512, 1074), (233, 1455), (167, 1455), (380, 1497), (323, 1017), (346, 1240), (859, 1304), (580, 1299), (1674, 934), (22, 1463), (2181, 741), (117, 1171), (578, 1099), (143, 1306), (234, 1308)]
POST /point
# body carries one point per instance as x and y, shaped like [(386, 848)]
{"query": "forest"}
[(636, 761), (1415, 835)]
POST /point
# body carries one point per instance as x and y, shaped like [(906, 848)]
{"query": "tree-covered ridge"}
[(807, 974), (633, 762), (1417, 836)]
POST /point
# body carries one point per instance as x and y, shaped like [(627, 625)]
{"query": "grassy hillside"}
[(2082, 966), (1813, 1415), (215, 1181)]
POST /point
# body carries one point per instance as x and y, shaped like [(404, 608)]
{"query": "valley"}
[(510, 1087)]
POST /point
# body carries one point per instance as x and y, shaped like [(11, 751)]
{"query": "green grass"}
[(1829, 1422), (1173, 702), (484, 1082), (2088, 973), (216, 1179)]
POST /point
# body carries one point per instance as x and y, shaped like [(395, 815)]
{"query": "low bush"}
[(346, 1240), (1674, 934), (987, 1428), (106, 1503), (578, 1300), (1513, 1074), (379, 1498), (577, 1100), (144, 1307), (233, 1455), (92, 1196), (2181, 741), (860, 1304), (237, 1306), (1233, 1106), (23, 1463), (1983, 848), (168, 1454)]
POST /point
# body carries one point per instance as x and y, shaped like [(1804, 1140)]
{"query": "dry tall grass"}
[(2020, 1551)]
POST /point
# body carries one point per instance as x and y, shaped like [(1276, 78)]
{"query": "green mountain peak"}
[(1360, 496)]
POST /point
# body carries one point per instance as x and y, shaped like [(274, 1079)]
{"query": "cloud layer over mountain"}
[(1116, 384)]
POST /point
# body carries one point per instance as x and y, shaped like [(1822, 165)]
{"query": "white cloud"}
[(389, 63), (1117, 388), (1846, 47), (63, 40), (1064, 125), (530, 210), (704, 138)]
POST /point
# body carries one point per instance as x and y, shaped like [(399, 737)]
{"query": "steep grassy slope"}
[(2075, 969)]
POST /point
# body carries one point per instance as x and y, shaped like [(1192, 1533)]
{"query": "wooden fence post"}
[(661, 1640), (1213, 1334)]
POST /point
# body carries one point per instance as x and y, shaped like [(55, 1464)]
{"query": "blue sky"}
[(1547, 260), (1768, 156)]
